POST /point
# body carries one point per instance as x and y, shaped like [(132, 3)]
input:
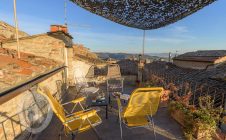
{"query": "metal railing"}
[(15, 122)]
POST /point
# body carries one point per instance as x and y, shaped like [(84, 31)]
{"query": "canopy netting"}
[(143, 14)]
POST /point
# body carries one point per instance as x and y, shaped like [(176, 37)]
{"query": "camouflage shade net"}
[(143, 14)]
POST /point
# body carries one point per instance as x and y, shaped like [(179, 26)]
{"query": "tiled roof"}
[(206, 53), (14, 71), (204, 56), (212, 77)]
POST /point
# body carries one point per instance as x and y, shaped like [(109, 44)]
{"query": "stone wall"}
[(20, 102), (79, 49)]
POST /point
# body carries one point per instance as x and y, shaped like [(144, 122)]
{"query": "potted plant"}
[(198, 122), (180, 108), (205, 118), (202, 122), (204, 126)]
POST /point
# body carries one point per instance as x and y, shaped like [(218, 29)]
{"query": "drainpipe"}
[(66, 66)]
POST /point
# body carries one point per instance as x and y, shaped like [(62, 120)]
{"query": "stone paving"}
[(166, 127)]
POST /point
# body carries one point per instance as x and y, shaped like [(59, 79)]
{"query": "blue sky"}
[(203, 30)]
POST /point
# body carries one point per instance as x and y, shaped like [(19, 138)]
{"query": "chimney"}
[(57, 28)]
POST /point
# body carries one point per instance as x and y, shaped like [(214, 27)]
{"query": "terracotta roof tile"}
[(14, 71)]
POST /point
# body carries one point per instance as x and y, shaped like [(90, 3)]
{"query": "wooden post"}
[(16, 26)]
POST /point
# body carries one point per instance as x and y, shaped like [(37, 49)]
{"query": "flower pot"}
[(178, 115), (201, 133), (188, 136)]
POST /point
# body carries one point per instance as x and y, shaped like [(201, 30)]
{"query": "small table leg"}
[(106, 111), (109, 98)]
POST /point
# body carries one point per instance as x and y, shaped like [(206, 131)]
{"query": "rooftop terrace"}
[(166, 127)]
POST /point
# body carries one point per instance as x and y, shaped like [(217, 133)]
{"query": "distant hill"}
[(8, 32), (120, 56), (162, 55)]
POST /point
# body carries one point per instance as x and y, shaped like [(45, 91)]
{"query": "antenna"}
[(65, 12)]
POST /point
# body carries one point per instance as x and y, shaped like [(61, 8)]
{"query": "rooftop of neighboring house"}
[(14, 71), (214, 77), (212, 56)]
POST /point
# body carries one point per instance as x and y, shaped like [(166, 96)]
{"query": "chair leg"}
[(60, 134), (153, 126), (72, 136), (94, 130), (120, 124)]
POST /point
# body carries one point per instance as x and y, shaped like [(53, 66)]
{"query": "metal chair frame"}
[(151, 123), (76, 102), (82, 84), (114, 77)]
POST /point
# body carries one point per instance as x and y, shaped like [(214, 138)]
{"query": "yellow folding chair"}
[(143, 104), (73, 123)]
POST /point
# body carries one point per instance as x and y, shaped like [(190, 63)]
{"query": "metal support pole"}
[(16, 26), (66, 66), (143, 44)]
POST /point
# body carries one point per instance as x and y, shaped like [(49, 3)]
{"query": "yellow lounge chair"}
[(143, 104), (73, 123)]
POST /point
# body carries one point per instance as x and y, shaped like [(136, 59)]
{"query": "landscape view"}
[(113, 70)]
